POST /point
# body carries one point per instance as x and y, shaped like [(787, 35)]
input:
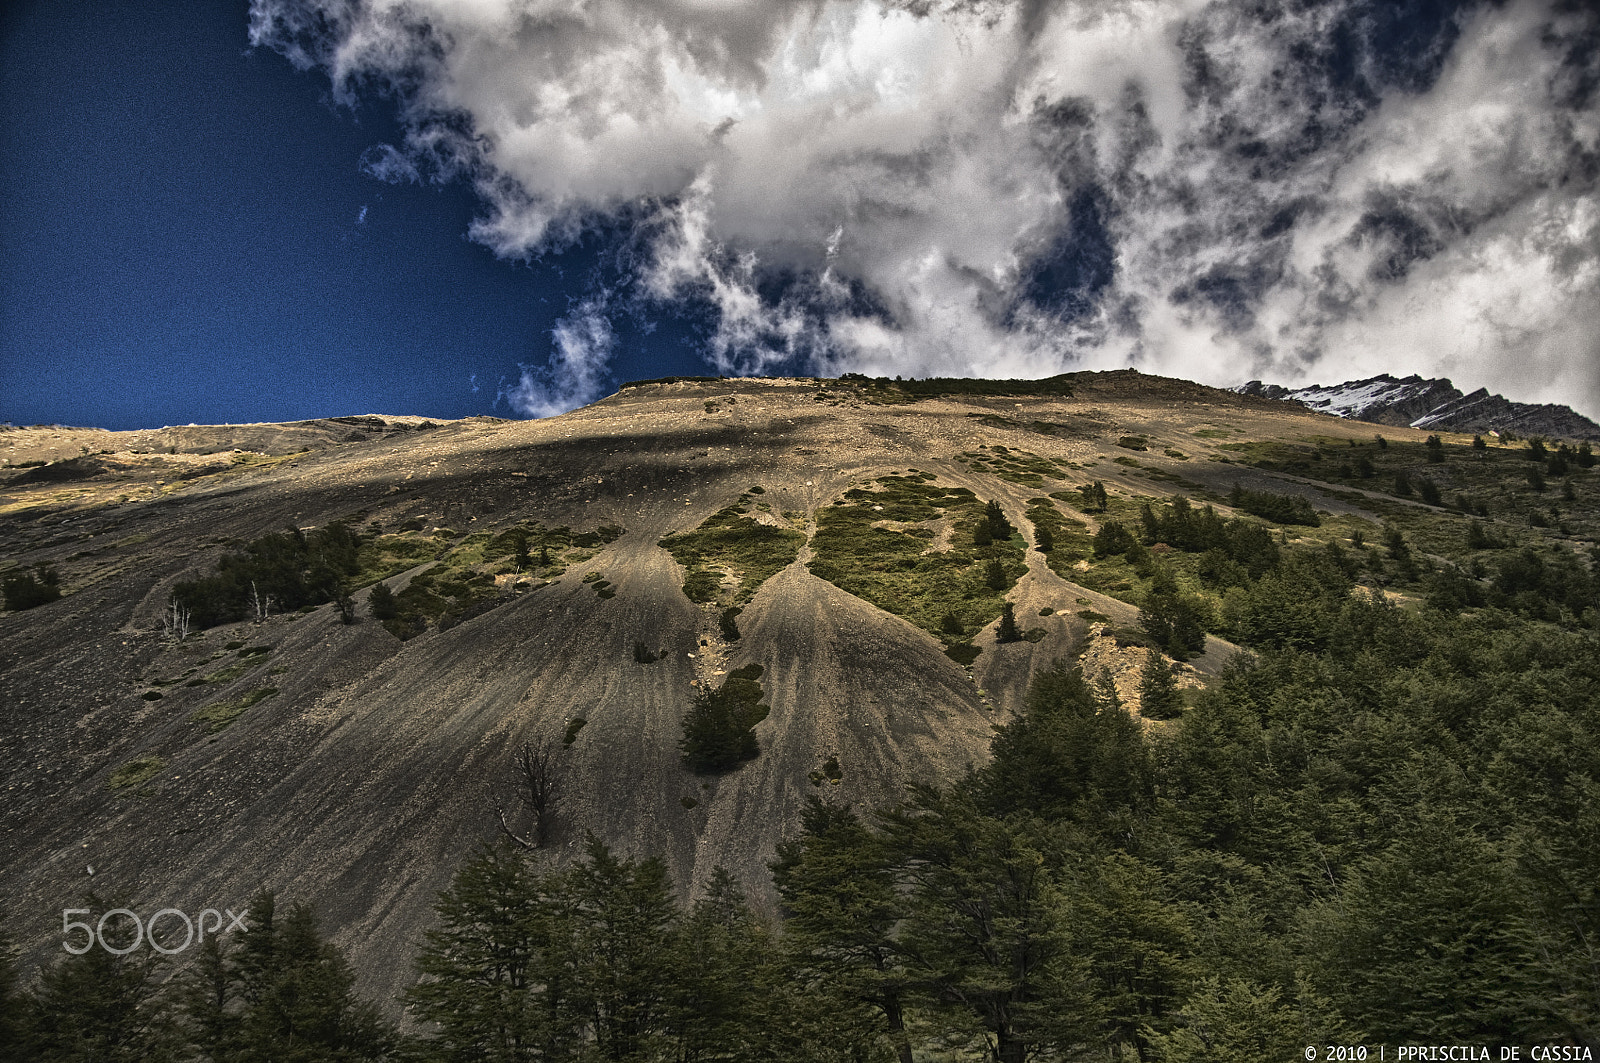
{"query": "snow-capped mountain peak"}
[(1418, 403)]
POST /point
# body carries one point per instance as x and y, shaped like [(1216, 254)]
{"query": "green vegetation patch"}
[(220, 715), (27, 590), (1280, 509), (1014, 466), (137, 772), (730, 541), (949, 593), (294, 569), (382, 556)]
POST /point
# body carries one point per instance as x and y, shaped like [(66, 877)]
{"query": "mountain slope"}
[(375, 765)]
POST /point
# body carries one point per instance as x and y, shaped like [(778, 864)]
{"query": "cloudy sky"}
[(302, 207)]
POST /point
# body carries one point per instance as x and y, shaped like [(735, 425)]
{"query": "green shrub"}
[(27, 591), (963, 653), (1008, 630), (382, 603), (719, 728)]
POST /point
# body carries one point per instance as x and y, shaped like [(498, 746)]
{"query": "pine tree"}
[(1159, 698), (995, 577), (995, 517), (719, 728), (1043, 540), (987, 929), (719, 975)]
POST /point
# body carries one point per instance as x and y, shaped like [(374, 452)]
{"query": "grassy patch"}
[(383, 556), (731, 543), (137, 772), (893, 567), (1013, 466), (218, 716), (228, 674)]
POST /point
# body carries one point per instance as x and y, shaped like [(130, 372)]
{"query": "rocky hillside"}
[(575, 584), (1436, 405)]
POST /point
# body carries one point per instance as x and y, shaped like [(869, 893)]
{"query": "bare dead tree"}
[(175, 621), (261, 605), (533, 767)]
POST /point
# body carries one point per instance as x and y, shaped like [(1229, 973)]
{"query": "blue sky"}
[(188, 236), (293, 208)]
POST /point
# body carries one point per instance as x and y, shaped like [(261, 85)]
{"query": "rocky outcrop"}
[(1413, 402)]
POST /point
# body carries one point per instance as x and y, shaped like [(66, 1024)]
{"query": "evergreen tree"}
[(496, 979), (999, 527), (1043, 540), (1073, 755), (1112, 539), (1395, 542), (719, 976), (381, 602), (280, 993), (1159, 698), (623, 927), (843, 914), (995, 577), (986, 927), (1171, 619), (98, 1007), (1008, 630), (27, 591), (719, 728)]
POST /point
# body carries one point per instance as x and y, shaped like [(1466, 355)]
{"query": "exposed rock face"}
[(1431, 404)]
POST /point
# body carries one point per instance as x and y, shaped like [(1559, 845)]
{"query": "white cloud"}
[(583, 346), (910, 162)]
